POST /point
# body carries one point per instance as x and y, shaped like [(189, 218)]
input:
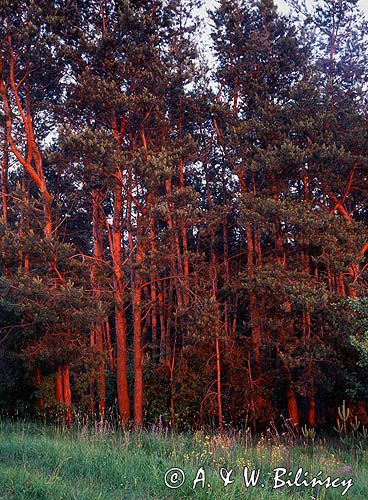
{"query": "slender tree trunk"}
[(121, 360), (119, 285), (227, 275), (4, 195), (219, 390), (120, 319), (172, 386), (153, 293), (163, 337), (310, 377), (98, 225), (292, 403), (67, 395), (4, 178), (137, 335), (92, 378)]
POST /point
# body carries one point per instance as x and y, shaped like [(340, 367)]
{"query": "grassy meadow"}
[(42, 462)]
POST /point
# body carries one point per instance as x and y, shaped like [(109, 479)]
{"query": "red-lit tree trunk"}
[(164, 351), (311, 397), (67, 395), (119, 284), (309, 375), (153, 293), (63, 392), (4, 178), (219, 388), (97, 334), (137, 333), (292, 404)]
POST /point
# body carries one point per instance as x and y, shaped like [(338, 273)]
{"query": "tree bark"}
[(67, 395), (98, 225), (137, 342)]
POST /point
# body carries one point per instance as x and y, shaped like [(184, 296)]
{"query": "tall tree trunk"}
[(4, 178), (137, 334), (219, 390), (120, 319), (98, 225), (153, 292), (163, 337), (310, 376), (121, 359), (291, 400), (119, 285), (67, 395)]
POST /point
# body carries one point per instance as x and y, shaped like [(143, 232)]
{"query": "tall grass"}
[(100, 462)]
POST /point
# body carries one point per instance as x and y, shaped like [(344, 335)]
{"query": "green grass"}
[(40, 462)]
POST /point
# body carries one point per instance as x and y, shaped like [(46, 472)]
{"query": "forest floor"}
[(41, 462)]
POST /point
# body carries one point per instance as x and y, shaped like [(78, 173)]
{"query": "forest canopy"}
[(183, 229)]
